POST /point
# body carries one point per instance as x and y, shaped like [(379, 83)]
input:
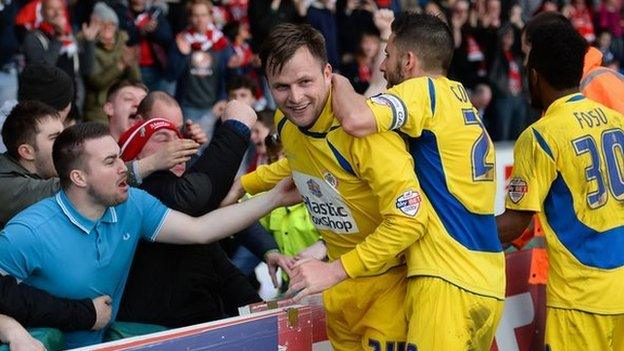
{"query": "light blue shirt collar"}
[(85, 224)]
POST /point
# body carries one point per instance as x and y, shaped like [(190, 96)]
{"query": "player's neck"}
[(554, 95)]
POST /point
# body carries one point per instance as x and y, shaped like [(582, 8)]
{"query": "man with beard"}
[(568, 169), (462, 264), (80, 243), (361, 193)]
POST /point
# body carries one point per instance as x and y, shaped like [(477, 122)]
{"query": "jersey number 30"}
[(613, 151)]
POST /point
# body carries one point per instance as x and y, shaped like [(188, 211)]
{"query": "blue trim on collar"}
[(317, 135), (576, 97), (432, 96)]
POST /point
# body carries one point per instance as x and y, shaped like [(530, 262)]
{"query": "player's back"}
[(577, 171), (455, 164)]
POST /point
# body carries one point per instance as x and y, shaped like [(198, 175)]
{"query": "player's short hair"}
[(22, 125), (427, 36), (284, 41), (68, 151), (240, 82), (115, 88), (557, 54), (541, 19), (147, 104)]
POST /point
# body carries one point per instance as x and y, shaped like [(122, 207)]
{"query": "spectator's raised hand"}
[(174, 152), (90, 30), (241, 112), (383, 21), (195, 132), (103, 311), (183, 45), (218, 108), (150, 26)]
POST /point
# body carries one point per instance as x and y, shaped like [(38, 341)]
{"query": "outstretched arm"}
[(179, 228)]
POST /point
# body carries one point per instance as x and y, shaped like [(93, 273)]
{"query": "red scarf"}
[(211, 39)]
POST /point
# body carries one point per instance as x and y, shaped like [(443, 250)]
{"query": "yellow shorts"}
[(443, 316), (577, 330), (368, 313)]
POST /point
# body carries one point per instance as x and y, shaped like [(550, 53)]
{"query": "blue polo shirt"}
[(51, 246)]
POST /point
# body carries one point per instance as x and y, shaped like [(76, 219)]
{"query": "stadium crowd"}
[(179, 90)]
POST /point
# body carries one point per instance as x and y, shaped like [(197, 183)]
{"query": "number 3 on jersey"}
[(481, 169), (613, 151)]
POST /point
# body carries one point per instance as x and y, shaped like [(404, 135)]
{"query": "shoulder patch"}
[(409, 202), (516, 189)]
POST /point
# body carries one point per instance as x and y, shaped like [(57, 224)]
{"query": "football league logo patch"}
[(314, 188), (330, 179), (409, 202), (516, 189)]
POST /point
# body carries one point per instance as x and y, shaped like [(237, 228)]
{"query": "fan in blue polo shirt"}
[(80, 243)]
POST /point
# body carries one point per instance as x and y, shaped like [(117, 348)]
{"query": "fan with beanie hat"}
[(46, 83), (134, 139)]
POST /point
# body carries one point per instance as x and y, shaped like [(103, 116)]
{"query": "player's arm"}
[(404, 107), (383, 162), (511, 224), (533, 172), (351, 109), (179, 228), (262, 179)]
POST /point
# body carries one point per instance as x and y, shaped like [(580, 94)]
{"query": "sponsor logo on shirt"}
[(409, 202), (325, 205), (516, 189)]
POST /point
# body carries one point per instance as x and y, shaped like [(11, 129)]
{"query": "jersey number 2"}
[(481, 169), (612, 146)]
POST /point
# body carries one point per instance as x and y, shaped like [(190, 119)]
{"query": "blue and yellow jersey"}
[(455, 164), (569, 167), (361, 193)]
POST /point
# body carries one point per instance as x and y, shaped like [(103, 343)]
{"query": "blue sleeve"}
[(19, 251), (163, 34), (177, 64), (153, 213)]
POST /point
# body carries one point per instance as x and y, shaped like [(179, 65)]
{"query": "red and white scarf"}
[(211, 39)]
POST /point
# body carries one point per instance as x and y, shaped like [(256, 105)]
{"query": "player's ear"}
[(410, 62)]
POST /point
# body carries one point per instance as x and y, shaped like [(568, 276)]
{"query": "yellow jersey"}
[(361, 193), (455, 164), (569, 167)]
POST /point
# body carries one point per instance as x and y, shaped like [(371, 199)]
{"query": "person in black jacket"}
[(174, 285)]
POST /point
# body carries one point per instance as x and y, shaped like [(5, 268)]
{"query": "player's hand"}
[(311, 276), (275, 260), (235, 193), (103, 311), (285, 193), (318, 251), (195, 132)]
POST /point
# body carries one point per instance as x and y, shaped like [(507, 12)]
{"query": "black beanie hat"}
[(46, 83)]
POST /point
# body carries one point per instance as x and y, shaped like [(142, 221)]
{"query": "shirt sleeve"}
[(383, 162), (533, 172), (405, 107), (153, 216), (265, 177), (20, 254)]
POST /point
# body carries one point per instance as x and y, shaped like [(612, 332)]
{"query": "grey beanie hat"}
[(105, 13)]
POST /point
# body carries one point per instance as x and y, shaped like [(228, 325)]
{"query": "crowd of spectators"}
[(190, 49), (159, 75)]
